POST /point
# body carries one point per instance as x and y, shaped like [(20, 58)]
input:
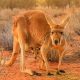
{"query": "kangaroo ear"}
[(64, 22), (50, 20)]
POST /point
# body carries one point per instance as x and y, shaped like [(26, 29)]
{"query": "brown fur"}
[(31, 29)]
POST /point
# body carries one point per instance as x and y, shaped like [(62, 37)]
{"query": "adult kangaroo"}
[(33, 28)]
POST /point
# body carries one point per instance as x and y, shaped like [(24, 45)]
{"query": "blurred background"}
[(35, 3)]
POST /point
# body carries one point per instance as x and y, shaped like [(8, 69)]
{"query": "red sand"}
[(13, 72)]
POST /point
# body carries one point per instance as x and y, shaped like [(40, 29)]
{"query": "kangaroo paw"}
[(59, 72), (36, 73), (50, 74)]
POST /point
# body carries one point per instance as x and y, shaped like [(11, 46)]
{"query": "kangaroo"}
[(34, 28)]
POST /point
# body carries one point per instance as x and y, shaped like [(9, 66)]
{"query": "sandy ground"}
[(71, 67)]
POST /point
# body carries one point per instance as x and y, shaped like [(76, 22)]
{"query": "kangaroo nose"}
[(56, 42)]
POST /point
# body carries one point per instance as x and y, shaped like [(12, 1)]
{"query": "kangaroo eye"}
[(52, 32), (61, 32)]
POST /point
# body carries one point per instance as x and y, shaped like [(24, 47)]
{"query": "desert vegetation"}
[(57, 9)]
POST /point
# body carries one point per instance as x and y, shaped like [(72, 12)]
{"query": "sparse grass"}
[(57, 14)]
